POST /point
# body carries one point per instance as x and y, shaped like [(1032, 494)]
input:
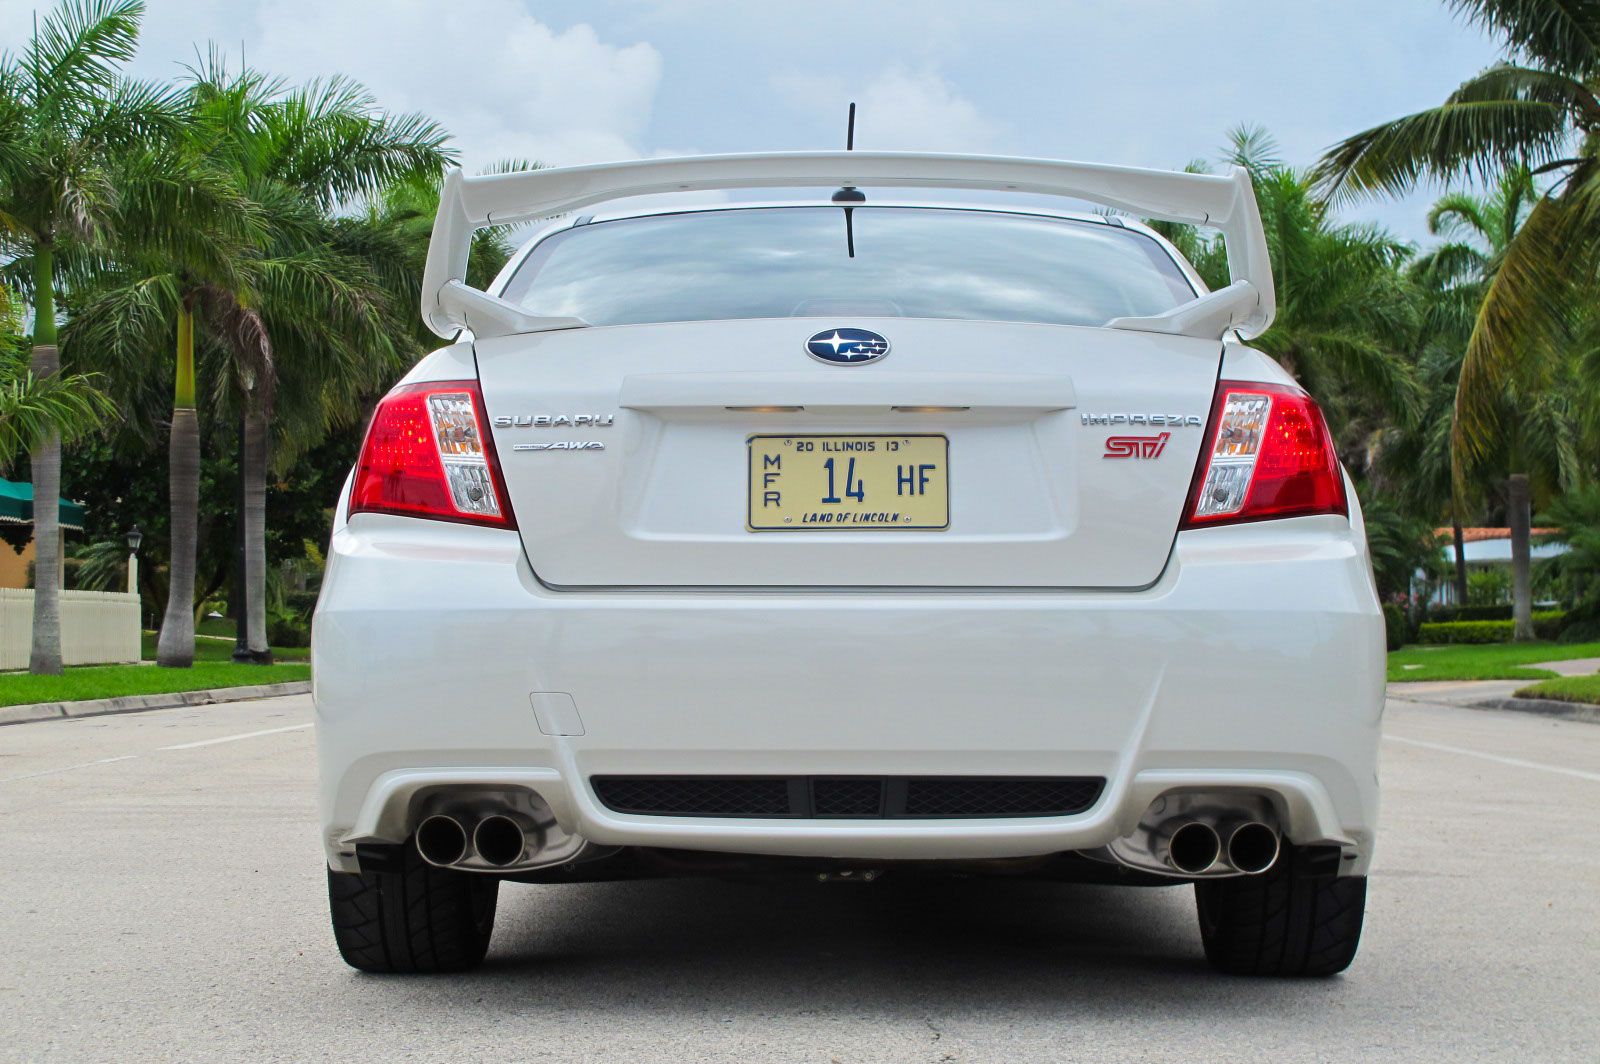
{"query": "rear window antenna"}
[(849, 193)]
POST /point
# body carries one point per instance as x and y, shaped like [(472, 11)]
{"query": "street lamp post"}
[(135, 537)]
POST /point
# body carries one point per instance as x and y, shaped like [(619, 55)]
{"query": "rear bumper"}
[(1256, 662)]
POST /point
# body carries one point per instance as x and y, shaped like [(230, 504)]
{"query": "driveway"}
[(163, 899)]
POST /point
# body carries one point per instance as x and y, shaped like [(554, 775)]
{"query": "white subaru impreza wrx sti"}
[(864, 533)]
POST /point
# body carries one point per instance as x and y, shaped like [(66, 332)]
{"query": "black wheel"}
[(1296, 918), (411, 916)]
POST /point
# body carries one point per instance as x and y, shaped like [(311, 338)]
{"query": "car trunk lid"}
[(641, 456)]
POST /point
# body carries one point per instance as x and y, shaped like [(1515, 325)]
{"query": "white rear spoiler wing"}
[(466, 204)]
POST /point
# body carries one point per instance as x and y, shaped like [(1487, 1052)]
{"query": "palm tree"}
[(154, 299), (1415, 461), (1541, 109), (1541, 439), (1412, 455), (1538, 110), (79, 150), (394, 230), (275, 279), (324, 320), (1344, 311)]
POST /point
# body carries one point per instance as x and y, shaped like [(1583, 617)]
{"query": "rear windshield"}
[(774, 262)]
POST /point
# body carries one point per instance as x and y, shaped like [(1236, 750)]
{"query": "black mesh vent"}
[(889, 797), (999, 797), (695, 795), (836, 797)]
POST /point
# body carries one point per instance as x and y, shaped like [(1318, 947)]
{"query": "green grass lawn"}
[(109, 681), (213, 667), (1493, 661), (1566, 689)]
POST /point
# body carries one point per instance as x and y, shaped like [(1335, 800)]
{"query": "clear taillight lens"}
[(1268, 454), (427, 455)]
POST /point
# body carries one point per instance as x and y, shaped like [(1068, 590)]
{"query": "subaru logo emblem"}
[(847, 347)]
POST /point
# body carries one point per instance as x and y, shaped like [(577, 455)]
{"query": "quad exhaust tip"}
[(1193, 848), (499, 840), (1252, 847), (442, 841), (1198, 834)]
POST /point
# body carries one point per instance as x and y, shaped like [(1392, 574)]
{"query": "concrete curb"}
[(1544, 707), (139, 703)]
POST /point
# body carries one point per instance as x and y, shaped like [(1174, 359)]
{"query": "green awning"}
[(16, 506)]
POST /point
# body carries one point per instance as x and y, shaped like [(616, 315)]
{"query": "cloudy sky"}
[(1142, 82)]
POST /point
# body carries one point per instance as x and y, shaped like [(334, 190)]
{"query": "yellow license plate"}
[(849, 483)]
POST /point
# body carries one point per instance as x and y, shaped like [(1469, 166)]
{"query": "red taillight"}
[(1267, 454), (427, 455)]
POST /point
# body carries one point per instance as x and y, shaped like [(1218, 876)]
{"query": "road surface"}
[(161, 897)]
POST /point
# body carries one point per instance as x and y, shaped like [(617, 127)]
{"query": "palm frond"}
[(1370, 365), (1563, 34), (1459, 214), (16, 150), (1253, 148), (130, 112), (511, 166), (1505, 117), (329, 141), (77, 50), (1450, 265), (31, 408), (125, 327), (194, 215), (1521, 320)]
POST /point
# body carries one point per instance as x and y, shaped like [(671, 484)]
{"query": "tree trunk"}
[(254, 474), (1521, 558), (46, 461), (1461, 562), (175, 647), (236, 596)]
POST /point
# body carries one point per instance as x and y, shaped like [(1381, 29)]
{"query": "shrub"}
[(1489, 586), (1394, 625), (1501, 612), (1546, 625), (285, 628), (1465, 632), (301, 602), (1580, 632)]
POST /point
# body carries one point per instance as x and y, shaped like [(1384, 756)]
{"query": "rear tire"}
[(412, 917), (1295, 919)]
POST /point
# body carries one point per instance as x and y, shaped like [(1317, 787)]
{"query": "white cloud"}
[(900, 109), (504, 83), (584, 80)]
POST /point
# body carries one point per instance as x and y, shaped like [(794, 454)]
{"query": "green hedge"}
[(1547, 624), (1498, 612)]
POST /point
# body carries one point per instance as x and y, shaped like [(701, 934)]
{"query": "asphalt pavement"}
[(161, 898)]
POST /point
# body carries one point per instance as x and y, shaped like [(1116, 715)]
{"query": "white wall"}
[(97, 627)]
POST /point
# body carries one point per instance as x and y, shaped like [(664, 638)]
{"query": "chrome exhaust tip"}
[(1193, 847), (1253, 847), (442, 841), (499, 840)]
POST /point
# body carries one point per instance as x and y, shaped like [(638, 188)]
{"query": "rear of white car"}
[(862, 538)]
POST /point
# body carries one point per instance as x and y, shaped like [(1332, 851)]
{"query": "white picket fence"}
[(97, 627)]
